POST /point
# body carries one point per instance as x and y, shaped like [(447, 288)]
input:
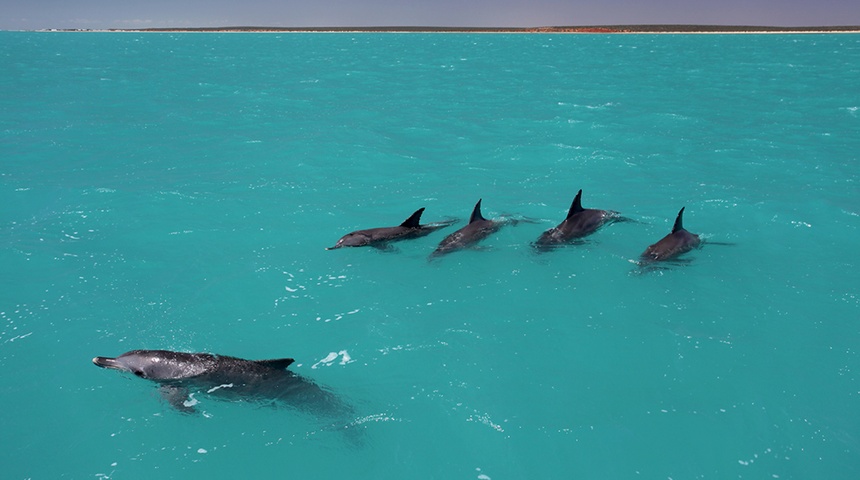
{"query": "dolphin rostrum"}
[(478, 229), (580, 222), (672, 245), (267, 382), (379, 237)]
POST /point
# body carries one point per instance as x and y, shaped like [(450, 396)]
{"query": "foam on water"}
[(178, 191)]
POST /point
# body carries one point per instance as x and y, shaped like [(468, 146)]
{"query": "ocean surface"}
[(177, 191)]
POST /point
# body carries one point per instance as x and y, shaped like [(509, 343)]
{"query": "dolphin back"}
[(677, 242), (476, 213), (413, 221), (276, 364), (679, 221), (576, 206)]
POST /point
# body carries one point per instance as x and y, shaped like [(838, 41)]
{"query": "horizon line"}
[(618, 28)]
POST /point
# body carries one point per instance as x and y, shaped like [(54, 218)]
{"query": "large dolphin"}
[(379, 237), (677, 242), (478, 229), (580, 222), (266, 382)]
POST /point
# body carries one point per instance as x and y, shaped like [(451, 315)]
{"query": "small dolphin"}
[(379, 237), (580, 222), (182, 375), (478, 229), (672, 245)]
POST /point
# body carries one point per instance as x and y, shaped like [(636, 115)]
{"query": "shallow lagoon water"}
[(177, 191)]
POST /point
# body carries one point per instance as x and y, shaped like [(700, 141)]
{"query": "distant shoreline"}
[(599, 29)]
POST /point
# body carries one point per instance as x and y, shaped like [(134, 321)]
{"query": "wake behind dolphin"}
[(265, 382)]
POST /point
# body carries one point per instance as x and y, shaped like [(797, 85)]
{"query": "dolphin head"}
[(158, 364), (353, 239)]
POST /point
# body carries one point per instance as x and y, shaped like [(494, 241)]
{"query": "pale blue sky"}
[(42, 14)]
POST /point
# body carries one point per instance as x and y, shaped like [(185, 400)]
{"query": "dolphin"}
[(580, 222), (478, 229), (266, 382), (379, 237), (672, 245)]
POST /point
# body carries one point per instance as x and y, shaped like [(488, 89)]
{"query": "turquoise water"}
[(177, 191)]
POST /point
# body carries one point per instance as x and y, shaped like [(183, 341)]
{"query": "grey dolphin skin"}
[(580, 222), (478, 229), (379, 237), (266, 382), (679, 241)]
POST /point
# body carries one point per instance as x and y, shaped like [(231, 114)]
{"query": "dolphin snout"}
[(105, 362)]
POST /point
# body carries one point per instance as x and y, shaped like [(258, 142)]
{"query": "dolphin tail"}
[(679, 222), (476, 213), (414, 220), (576, 206), (443, 223)]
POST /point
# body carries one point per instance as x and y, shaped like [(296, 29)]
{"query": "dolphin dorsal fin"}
[(476, 213), (276, 364), (679, 222), (414, 220), (576, 206)]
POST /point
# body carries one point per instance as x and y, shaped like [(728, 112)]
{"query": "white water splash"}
[(191, 401), (331, 357), (225, 385)]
